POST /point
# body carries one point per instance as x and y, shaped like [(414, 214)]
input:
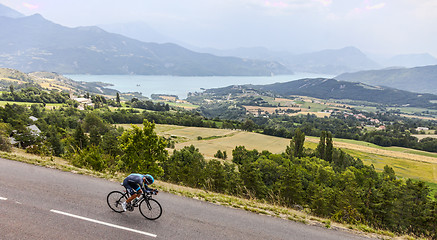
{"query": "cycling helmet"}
[(149, 179)]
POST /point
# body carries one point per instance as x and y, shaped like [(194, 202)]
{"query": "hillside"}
[(50, 81), (418, 79), (35, 44), (333, 89), (9, 12)]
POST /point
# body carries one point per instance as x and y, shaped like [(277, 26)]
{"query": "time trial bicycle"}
[(149, 207)]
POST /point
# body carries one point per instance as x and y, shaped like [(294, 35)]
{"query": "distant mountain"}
[(9, 12), (334, 61), (137, 30), (244, 52), (411, 60), (324, 88), (36, 44), (418, 79)]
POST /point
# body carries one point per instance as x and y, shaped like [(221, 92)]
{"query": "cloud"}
[(375, 7), (30, 6), (325, 2)]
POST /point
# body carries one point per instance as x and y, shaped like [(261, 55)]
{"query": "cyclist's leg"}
[(136, 191)]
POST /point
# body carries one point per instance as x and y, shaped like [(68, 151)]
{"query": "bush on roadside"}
[(5, 145)]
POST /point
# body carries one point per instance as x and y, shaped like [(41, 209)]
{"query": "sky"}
[(378, 27)]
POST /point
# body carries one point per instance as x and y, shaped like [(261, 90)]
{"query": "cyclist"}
[(137, 183)]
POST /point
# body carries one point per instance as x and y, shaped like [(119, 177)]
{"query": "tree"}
[(219, 154), (80, 139), (252, 180), (215, 176), (321, 147), (295, 149), (290, 185), (329, 147), (248, 125), (225, 155), (109, 142), (54, 140), (142, 149), (185, 166), (117, 100), (4, 141), (240, 155), (325, 148)]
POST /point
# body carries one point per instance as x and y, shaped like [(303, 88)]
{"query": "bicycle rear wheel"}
[(150, 209), (114, 200)]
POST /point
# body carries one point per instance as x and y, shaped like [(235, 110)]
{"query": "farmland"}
[(407, 163)]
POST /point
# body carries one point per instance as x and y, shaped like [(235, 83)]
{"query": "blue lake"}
[(181, 86)]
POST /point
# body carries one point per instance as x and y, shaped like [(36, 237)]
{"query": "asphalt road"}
[(43, 203)]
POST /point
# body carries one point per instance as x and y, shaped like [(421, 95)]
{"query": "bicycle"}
[(149, 207)]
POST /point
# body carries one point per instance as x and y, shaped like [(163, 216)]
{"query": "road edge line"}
[(104, 223)]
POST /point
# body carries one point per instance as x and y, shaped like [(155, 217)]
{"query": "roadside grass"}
[(252, 204)]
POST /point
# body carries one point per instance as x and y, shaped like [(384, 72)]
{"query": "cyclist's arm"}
[(147, 189)]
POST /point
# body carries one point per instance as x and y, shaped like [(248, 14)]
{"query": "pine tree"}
[(80, 139), (321, 147), (117, 100), (329, 147)]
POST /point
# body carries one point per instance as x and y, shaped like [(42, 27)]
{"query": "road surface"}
[(43, 203)]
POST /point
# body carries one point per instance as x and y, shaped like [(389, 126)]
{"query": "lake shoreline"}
[(182, 85)]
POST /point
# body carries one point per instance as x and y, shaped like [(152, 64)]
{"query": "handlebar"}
[(152, 192)]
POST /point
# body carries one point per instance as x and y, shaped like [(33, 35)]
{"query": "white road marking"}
[(4, 199), (103, 223)]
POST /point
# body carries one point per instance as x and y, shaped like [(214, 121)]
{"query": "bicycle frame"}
[(148, 207)]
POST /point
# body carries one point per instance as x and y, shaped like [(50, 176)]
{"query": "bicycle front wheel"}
[(114, 200), (150, 209)]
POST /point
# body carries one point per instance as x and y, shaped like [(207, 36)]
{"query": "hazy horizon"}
[(376, 27)]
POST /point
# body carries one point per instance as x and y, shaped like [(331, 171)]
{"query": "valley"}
[(318, 113)]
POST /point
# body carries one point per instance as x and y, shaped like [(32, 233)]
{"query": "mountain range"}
[(330, 61), (418, 79), (33, 43), (324, 88), (410, 60)]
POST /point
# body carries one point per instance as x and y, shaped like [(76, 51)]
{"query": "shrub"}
[(5, 145)]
